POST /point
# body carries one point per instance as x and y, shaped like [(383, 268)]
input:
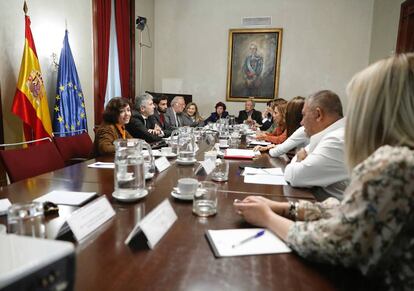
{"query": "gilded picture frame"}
[(253, 65)]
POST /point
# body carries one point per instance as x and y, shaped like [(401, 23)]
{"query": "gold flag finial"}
[(25, 8)]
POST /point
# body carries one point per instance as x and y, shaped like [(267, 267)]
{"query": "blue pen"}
[(259, 234)]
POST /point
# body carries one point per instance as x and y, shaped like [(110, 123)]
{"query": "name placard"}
[(208, 165), (85, 220), (155, 224), (161, 164)]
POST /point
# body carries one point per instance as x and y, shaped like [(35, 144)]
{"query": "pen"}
[(259, 234)]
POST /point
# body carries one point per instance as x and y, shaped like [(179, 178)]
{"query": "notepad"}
[(240, 154), (66, 197), (222, 242), (4, 206)]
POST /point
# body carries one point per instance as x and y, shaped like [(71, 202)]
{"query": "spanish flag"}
[(30, 100)]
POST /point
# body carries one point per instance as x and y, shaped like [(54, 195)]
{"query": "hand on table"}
[(254, 211), (301, 155)]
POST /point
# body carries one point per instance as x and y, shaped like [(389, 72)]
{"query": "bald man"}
[(321, 163)]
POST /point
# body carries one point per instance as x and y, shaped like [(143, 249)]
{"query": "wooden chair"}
[(74, 149), (42, 157)]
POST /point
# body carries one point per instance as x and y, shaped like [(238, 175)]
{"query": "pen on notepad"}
[(259, 234)]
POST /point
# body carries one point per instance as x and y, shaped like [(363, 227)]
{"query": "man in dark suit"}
[(143, 124), (249, 114), (159, 114)]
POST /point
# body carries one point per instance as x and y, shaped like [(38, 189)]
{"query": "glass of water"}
[(205, 199), (27, 219), (221, 171)]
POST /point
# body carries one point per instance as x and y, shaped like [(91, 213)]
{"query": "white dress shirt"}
[(298, 139), (324, 165)]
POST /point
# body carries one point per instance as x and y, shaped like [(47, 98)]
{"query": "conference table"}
[(182, 259)]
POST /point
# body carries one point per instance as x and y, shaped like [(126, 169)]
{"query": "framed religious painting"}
[(253, 64)]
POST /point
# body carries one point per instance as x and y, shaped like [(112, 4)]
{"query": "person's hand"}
[(262, 148), (301, 155), (255, 211), (275, 206)]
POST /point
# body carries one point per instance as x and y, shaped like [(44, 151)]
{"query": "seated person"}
[(159, 113), (267, 119), (321, 163), (116, 115), (295, 133), (273, 124), (143, 123), (279, 134), (218, 114), (174, 117), (191, 110), (249, 114), (371, 229)]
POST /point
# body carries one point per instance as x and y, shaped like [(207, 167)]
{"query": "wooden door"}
[(405, 41)]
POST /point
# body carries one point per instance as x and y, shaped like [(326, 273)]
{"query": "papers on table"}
[(240, 154), (267, 176), (102, 165), (262, 171), (227, 242), (260, 142), (4, 206), (66, 197)]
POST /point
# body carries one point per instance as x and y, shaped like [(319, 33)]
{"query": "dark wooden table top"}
[(182, 260)]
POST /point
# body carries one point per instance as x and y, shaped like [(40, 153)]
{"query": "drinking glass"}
[(221, 171), (27, 219), (205, 199)]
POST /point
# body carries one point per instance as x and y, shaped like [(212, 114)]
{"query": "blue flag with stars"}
[(69, 111)]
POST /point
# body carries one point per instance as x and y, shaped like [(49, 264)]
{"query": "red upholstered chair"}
[(74, 149), (31, 161)]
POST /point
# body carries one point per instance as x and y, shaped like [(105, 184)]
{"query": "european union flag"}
[(69, 112)]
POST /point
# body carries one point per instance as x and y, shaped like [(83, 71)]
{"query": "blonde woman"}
[(191, 110), (372, 228)]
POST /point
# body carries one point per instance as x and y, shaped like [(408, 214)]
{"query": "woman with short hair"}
[(218, 114), (372, 228), (117, 113)]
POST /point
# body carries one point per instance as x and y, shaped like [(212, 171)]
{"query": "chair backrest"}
[(77, 147), (31, 161)]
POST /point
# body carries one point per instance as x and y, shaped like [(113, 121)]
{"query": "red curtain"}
[(123, 30), (103, 25)]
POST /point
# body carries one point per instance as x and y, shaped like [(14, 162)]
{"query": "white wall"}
[(48, 28), (324, 43), (384, 28), (145, 8)]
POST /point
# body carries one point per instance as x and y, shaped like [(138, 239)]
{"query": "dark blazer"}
[(256, 115), (139, 129), (214, 117), (167, 131)]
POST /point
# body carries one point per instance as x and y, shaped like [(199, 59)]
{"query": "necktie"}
[(162, 120)]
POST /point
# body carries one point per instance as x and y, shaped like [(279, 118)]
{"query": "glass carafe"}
[(130, 167)]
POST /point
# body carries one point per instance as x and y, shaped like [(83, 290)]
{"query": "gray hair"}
[(251, 99), (176, 99), (142, 100), (328, 101)]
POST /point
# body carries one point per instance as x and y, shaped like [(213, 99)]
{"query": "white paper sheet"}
[(222, 242), (241, 153), (260, 142), (262, 171), (265, 179), (102, 165), (66, 197), (4, 206)]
